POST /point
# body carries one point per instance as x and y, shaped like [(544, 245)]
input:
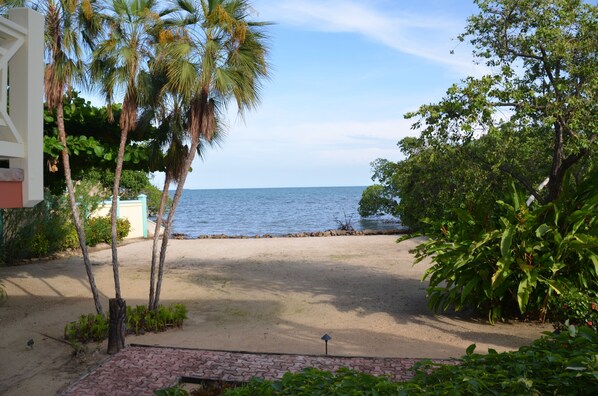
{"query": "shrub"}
[(40, 244), (577, 308), (519, 262), (36, 231), (98, 230), (561, 364), (88, 328), (139, 320)]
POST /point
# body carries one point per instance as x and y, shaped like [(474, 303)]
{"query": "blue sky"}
[(344, 72)]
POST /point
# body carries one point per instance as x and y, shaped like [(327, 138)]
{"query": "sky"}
[(343, 74)]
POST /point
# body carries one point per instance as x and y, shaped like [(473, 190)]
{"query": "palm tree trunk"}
[(168, 226), (157, 238), (75, 210), (118, 306), (113, 213)]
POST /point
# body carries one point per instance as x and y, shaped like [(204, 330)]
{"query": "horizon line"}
[(262, 188)]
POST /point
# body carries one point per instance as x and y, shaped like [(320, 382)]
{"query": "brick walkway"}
[(139, 370)]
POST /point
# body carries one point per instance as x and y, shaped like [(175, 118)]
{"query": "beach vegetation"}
[(564, 363), (346, 224), (98, 229), (48, 227), (216, 54), (36, 232), (516, 262), (120, 62), (139, 320), (93, 144), (503, 175)]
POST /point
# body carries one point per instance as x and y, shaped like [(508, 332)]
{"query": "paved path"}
[(139, 370)]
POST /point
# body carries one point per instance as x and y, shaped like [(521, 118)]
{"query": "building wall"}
[(135, 211)]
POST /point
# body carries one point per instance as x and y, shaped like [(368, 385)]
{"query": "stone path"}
[(139, 370)]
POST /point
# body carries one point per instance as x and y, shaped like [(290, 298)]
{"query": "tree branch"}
[(506, 168), (515, 104), (509, 170)]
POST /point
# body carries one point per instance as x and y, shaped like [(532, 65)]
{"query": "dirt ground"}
[(262, 295)]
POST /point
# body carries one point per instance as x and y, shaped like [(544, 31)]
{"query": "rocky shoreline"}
[(327, 233)]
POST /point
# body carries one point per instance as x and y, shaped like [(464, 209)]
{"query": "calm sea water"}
[(274, 211)]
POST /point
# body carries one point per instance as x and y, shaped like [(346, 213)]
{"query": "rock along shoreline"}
[(327, 233)]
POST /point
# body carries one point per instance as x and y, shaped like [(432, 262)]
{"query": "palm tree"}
[(119, 63), (170, 148), (221, 56), (70, 24)]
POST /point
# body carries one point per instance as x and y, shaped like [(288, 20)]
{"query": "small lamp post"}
[(326, 338)]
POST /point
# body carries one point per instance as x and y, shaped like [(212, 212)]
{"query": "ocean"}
[(273, 211)]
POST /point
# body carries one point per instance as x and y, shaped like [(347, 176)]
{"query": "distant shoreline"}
[(316, 234)]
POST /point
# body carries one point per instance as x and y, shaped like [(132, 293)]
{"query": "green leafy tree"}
[(434, 179), (542, 54), (221, 56)]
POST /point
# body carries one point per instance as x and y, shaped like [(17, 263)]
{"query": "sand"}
[(266, 295)]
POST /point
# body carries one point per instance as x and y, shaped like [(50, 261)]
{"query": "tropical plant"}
[(93, 144), (94, 328), (98, 229), (218, 54), (544, 77), (575, 307), (120, 62), (519, 260), (436, 177)]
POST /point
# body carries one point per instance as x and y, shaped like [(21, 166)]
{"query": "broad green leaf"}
[(523, 294), (543, 229), (467, 289), (470, 349), (98, 150), (506, 240)]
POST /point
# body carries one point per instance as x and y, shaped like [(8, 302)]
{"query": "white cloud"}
[(425, 36), (336, 134)]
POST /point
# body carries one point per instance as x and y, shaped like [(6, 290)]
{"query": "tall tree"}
[(70, 25), (542, 54), (220, 55), (120, 62)]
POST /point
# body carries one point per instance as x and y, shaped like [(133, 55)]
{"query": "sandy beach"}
[(261, 295)]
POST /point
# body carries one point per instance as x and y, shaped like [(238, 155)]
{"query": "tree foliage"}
[(531, 118), (434, 179), (217, 55), (543, 81), (516, 262)]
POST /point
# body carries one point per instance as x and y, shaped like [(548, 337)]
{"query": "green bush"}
[(556, 364), (71, 239), (139, 320), (98, 230), (88, 328), (577, 308), (518, 262), (154, 196), (34, 232)]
